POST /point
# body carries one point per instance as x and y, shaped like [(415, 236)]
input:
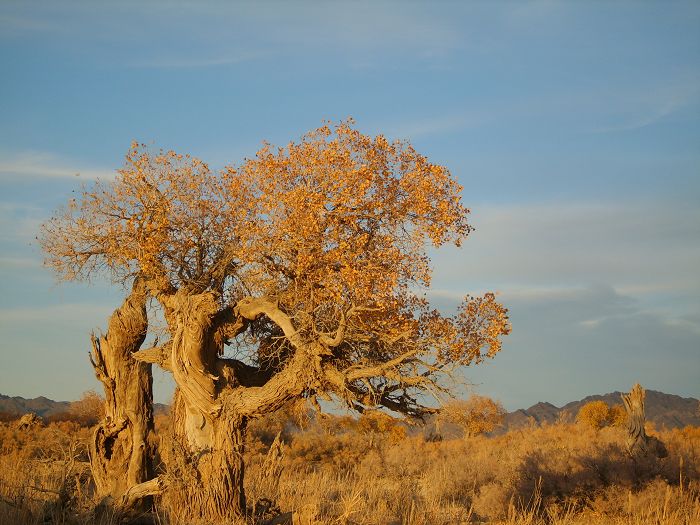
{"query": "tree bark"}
[(120, 455), (212, 491), (214, 401), (638, 443), (210, 439)]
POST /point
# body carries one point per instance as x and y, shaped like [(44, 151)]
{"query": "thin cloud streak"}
[(67, 312), (648, 104), (433, 126), (47, 165), (646, 247), (199, 62), (19, 262)]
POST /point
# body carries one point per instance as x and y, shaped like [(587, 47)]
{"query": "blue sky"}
[(574, 128)]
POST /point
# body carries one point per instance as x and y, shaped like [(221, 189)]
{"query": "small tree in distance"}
[(598, 414), (89, 409), (475, 415), (290, 275), (378, 423)]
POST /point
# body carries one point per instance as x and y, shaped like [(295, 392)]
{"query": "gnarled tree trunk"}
[(206, 480), (120, 455), (638, 443), (209, 437), (213, 403)]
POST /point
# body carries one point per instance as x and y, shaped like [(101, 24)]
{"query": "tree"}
[(120, 453), (293, 274), (595, 414), (89, 409), (598, 414), (475, 415)]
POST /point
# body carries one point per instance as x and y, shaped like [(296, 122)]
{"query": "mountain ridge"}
[(45, 407), (664, 410)]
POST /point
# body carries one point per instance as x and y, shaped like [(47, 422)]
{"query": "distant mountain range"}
[(44, 407), (664, 410), (41, 406)]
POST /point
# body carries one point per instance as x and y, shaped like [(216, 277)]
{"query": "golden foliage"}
[(89, 409), (475, 415), (617, 416), (598, 414)]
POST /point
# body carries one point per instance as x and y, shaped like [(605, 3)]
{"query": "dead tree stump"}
[(638, 443), (28, 421)]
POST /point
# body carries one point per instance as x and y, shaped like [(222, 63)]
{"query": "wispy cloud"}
[(438, 125), (199, 62), (535, 250), (47, 165), (637, 107), (19, 262), (19, 223), (10, 24), (571, 335), (67, 312)]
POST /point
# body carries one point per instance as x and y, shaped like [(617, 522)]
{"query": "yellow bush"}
[(88, 410), (475, 415), (598, 414)]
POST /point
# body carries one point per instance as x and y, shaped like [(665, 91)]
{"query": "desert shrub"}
[(289, 419), (44, 473), (492, 501), (559, 474), (382, 425), (598, 414), (314, 450), (617, 416), (475, 415), (88, 410)]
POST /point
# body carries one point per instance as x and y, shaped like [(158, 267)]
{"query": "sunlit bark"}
[(120, 454)]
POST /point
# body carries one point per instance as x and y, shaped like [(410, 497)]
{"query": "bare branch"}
[(152, 487), (251, 308), (387, 369), (159, 355), (98, 363), (292, 381)]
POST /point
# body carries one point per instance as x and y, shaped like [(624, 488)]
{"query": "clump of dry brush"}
[(561, 473), (341, 470)]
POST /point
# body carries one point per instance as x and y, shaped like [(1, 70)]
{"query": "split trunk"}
[(120, 454)]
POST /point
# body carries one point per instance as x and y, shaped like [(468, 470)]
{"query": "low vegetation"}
[(473, 416), (598, 414), (377, 470)]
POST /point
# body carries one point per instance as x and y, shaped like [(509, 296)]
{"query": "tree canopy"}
[(321, 244)]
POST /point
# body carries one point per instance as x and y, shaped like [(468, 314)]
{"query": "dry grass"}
[(558, 474), (340, 472), (44, 473)]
